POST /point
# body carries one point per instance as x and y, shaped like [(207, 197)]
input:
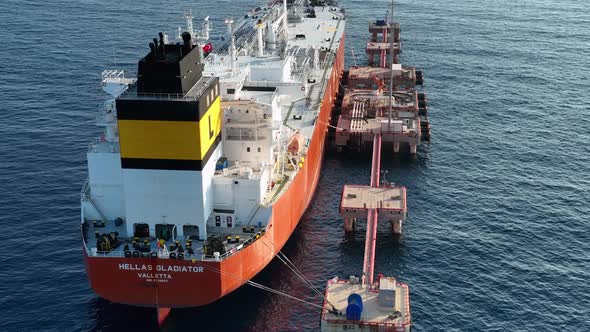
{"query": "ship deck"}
[(92, 228), (301, 113), (299, 108)]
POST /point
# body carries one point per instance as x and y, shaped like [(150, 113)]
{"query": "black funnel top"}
[(169, 69)]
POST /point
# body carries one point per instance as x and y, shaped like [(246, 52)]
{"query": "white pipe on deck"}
[(260, 41)]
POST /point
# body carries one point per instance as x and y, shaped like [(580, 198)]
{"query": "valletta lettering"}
[(158, 273)]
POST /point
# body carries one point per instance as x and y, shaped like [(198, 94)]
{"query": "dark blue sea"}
[(497, 237)]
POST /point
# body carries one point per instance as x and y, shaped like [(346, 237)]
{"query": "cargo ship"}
[(211, 155)]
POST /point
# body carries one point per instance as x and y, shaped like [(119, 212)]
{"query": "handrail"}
[(209, 258), (86, 196), (177, 96)]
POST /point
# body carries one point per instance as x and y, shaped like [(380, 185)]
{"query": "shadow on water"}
[(109, 316), (402, 159)]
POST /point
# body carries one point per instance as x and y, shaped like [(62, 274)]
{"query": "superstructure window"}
[(165, 231), (259, 149), (248, 149), (141, 230), (231, 91), (191, 231)]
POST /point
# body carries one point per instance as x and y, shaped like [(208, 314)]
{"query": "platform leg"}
[(397, 226), (349, 224), (395, 147), (413, 148)]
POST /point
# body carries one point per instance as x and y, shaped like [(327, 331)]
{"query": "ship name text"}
[(160, 268)]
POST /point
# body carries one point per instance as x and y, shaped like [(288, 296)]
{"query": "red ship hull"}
[(184, 283)]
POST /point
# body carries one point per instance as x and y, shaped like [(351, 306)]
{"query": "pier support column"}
[(413, 148), (395, 147), (396, 225), (349, 224)]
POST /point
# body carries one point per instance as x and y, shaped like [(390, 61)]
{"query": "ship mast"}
[(391, 23), (232, 47), (188, 16)]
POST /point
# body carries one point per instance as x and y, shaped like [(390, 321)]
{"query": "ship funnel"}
[(188, 45), (162, 48), (153, 49), (156, 47), (169, 68)]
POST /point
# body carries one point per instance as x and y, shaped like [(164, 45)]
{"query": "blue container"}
[(380, 23), (221, 164), (355, 307)]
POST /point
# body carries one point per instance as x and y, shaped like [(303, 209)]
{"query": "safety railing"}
[(190, 95), (100, 144), (93, 251), (254, 238)]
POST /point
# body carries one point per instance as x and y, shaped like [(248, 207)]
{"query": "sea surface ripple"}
[(497, 237)]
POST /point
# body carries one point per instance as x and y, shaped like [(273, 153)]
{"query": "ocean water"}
[(497, 237)]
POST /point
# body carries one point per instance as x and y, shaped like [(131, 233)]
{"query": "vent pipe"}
[(260, 28)]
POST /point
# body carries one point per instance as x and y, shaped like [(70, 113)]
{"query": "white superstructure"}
[(272, 74)]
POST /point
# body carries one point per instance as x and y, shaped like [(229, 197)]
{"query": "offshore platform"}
[(380, 107)]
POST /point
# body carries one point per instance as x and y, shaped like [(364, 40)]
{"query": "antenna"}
[(206, 27), (188, 16), (232, 47)]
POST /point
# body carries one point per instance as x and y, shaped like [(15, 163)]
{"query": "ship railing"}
[(93, 252), (85, 187), (410, 133), (191, 95), (85, 191), (113, 74), (327, 62), (236, 249), (108, 114), (105, 119), (164, 96), (100, 144), (246, 138)]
